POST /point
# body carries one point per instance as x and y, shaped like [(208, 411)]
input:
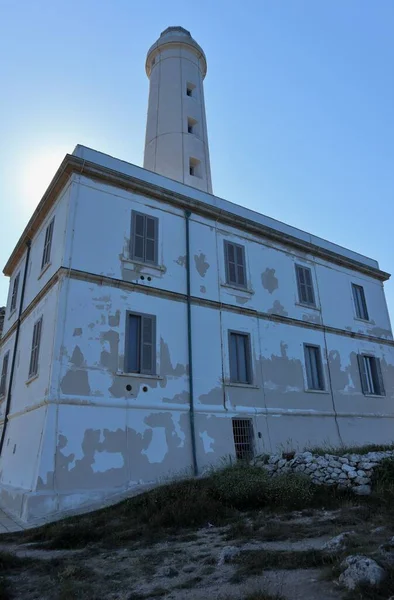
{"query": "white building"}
[(152, 327)]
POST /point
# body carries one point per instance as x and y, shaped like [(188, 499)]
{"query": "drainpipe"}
[(189, 343), (18, 325)]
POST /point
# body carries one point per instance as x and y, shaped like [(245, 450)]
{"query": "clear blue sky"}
[(299, 96)]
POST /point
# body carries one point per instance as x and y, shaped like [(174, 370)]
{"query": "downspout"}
[(18, 325), (190, 346)]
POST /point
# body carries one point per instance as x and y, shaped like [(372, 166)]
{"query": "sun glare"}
[(38, 173)]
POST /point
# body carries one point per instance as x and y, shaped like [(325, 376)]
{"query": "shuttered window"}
[(14, 296), (235, 264), (46, 255), (144, 238), (240, 365), (4, 370), (371, 375), (35, 348), (314, 367), (140, 351), (306, 294), (359, 302)]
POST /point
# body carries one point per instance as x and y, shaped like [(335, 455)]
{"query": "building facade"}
[(152, 329)]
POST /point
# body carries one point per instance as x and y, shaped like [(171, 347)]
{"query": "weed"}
[(253, 562)]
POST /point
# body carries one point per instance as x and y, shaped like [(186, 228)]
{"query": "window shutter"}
[(233, 358), (132, 350), (147, 345), (309, 286), (363, 373), (150, 239), (380, 377), (15, 292), (4, 373), (230, 263), (35, 349), (240, 265), (138, 236), (301, 284)]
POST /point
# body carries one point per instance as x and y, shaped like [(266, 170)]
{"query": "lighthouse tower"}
[(176, 143)]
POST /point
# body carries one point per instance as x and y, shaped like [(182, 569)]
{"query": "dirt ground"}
[(257, 556)]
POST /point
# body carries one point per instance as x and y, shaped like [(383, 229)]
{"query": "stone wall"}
[(2, 313), (348, 471)]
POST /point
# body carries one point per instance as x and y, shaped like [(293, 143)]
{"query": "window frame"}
[(298, 268), (35, 349), (140, 344), (133, 256), (249, 454), (4, 373), (242, 286), (14, 295), (360, 302), (367, 376), (46, 253), (248, 358), (319, 369)]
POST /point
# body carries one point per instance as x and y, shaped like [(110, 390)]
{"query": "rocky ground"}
[(225, 537)]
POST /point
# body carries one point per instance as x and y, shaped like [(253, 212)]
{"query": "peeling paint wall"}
[(90, 429)]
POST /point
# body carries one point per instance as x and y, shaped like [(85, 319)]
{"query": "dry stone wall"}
[(348, 471)]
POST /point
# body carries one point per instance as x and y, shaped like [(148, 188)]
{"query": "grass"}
[(175, 508), (254, 562)]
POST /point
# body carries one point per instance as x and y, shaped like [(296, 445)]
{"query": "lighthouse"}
[(176, 143)]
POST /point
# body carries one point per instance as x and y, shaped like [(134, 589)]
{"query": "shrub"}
[(291, 490), (241, 486), (383, 476)]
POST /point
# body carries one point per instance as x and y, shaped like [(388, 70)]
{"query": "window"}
[(3, 378), (35, 348), (314, 367), (140, 351), (235, 264), (239, 350), (305, 285), (371, 375), (191, 125), (144, 238), (359, 302), (14, 296), (243, 438), (46, 255), (190, 89), (194, 167)]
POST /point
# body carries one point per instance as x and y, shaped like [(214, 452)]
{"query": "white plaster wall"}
[(100, 244), (37, 278), (29, 393), (21, 452)]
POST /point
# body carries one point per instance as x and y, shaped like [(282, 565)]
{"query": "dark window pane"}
[(133, 346)]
